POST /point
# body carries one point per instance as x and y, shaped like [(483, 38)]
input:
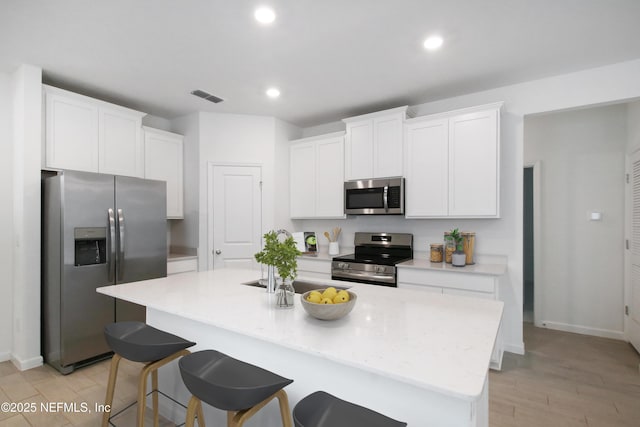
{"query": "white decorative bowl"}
[(328, 311)]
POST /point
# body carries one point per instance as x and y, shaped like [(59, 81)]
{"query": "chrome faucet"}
[(283, 231)]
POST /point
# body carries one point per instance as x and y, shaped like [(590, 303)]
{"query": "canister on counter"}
[(449, 247), (468, 244), (436, 252)]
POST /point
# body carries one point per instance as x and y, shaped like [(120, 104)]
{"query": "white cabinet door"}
[(87, 134), (387, 146), (329, 188), (317, 177), (473, 164), (71, 133), (120, 142), (302, 178), (359, 150), (181, 266), (163, 154), (427, 168)]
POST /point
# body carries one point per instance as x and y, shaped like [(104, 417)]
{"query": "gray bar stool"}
[(229, 384), (322, 409), (139, 342)]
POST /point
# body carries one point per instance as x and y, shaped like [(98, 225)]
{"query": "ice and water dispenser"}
[(90, 245)]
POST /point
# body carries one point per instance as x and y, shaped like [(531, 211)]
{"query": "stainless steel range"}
[(375, 258)]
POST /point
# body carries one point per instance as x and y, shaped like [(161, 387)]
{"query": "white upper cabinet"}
[(317, 177), (427, 168), (302, 176), (71, 132), (373, 144), (473, 164), (452, 164), (87, 134), (163, 154), (120, 143)]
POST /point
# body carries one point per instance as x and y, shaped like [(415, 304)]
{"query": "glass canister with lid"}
[(436, 252), (449, 247)]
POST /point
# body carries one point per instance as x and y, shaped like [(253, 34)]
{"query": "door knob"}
[(218, 251)]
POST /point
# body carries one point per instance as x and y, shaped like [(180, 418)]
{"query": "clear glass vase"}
[(285, 293)]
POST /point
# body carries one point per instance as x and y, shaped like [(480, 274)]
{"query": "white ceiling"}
[(330, 58)]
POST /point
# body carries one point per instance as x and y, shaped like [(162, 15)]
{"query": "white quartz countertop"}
[(437, 342), (425, 264)]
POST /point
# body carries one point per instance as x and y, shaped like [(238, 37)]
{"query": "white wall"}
[(235, 139), (284, 132), (504, 236), (6, 218), (26, 86), (633, 126), (157, 122), (185, 232), (582, 162)]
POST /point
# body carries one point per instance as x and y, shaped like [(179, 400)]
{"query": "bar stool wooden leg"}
[(200, 414), (237, 419), (154, 387), (193, 408), (285, 412), (111, 386), (142, 395)]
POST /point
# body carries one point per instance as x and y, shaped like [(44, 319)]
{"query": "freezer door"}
[(141, 211), (87, 264)]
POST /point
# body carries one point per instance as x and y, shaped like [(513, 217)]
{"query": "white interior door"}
[(235, 215), (633, 322)]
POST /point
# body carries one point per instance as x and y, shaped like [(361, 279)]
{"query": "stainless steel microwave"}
[(383, 196)]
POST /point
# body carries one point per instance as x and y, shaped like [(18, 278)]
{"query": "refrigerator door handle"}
[(120, 263), (111, 248)]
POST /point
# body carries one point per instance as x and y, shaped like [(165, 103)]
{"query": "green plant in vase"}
[(283, 256), (458, 258)]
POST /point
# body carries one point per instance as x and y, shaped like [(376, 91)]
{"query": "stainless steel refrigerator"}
[(98, 230)]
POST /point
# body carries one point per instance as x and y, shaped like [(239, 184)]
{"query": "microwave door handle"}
[(385, 198), (111, 248), (120, 263)]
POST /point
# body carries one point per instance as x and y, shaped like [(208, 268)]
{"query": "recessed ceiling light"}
[(273, 92), (433, 43), (264, 15)]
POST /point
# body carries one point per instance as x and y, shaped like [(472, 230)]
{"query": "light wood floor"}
[(88, 384), (564, 380)]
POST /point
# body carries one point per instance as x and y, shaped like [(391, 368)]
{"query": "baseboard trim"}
[(584, 330), (25, 364), (4, 356), (514, 348)]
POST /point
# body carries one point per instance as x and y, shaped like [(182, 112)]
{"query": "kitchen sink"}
[(300, 286)]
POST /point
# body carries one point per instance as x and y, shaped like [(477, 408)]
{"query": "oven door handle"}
[(385, 198), (352, 274)]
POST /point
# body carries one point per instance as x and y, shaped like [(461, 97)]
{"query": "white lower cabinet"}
[(451, 283), (314, 268), (179, 265), (163, 153)]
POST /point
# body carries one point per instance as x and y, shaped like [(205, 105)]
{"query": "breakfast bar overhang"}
[(414, 356)]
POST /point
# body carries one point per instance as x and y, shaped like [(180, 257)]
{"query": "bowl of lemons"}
[(328, 304)]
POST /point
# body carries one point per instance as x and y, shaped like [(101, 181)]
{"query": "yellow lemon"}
[(315, 297), (329, 293), (342, 296), (326, 301)]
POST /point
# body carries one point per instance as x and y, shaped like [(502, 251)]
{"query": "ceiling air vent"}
[(204, 95)]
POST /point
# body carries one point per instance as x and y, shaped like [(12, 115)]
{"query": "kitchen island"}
[(418, 357)]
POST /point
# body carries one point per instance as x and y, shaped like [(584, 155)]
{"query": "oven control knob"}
[(343, 265), (379, 269)]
